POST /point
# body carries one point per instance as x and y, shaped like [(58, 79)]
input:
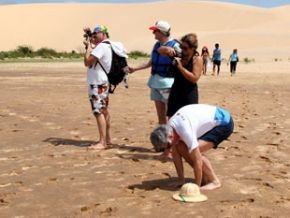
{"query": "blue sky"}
[(260, 3)]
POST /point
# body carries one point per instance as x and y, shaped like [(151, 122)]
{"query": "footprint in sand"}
[(266, 159), (55, 127), (17, 130), (147, 209), (14, 173), (244, 137), (25, 168), (74, 132), (19, 183), (5, 185), (3, 202), (249, 190), (52, 179), (86, 208)]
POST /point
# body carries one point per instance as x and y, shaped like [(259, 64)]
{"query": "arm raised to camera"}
[(167, 51), (89, 60)]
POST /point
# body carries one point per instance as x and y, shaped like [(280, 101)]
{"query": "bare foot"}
[(98, 146), (109, 142), (211, 186)]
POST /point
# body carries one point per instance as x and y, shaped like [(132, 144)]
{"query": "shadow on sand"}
[(163, 184), (74, 142), (86, 143), (137, 157)]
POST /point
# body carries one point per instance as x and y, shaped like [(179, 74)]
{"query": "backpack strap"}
[(102, 67), (111, 90), (107, 42)]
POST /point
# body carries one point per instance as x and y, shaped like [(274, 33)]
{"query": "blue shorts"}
[(219, 134), (160, 95), (217, 62)]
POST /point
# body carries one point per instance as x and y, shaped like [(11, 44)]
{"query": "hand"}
[(178, 62), (131, 70), (171, 52), (88, 45), (86, 29), (86, 42)]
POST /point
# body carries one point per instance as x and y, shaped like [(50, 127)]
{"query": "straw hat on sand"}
[(189, 192)]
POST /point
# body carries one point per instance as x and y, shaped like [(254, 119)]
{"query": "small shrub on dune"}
[(2, 55), (46, 53), (248, 60), (138, 54), (24, 51)]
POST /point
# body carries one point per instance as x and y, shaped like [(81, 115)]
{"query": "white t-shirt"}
[(193, 121), (96, 75)]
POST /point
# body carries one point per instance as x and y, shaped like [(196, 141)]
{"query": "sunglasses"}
[(155, 31), (184, 47)]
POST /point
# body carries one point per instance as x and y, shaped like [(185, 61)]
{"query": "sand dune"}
[(257, 32)]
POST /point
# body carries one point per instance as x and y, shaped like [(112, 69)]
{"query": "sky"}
[(259, 3)]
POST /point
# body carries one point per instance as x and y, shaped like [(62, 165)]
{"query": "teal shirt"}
[(157, 82), (234, 57)]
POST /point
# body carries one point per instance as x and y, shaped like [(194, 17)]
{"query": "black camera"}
[(88, 34)]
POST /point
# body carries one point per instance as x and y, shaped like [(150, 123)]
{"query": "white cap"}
[(161, 25)]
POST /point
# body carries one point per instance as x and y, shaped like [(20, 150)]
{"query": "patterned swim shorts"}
[(99, 97)]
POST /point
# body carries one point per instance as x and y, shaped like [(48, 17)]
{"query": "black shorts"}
[(219, 134), (217, 62)]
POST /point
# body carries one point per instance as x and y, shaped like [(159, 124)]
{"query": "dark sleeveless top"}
[(183, 92)]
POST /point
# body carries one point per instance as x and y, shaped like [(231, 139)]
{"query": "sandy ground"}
[(47, 171)]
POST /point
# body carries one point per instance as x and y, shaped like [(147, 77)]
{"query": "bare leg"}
[(108, 126), (213, 70), (161, 112), (212, 180), (177, 160), (209, 174), (101, 121), (162, 119)]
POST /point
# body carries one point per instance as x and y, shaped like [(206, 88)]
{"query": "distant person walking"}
[(205, 59), (234, 59), (217, 59)]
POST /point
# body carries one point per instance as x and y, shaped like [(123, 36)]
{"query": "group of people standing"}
[(217, 60), (176, 67)]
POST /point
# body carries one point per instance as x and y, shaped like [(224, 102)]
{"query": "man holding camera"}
[(98, 59)]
